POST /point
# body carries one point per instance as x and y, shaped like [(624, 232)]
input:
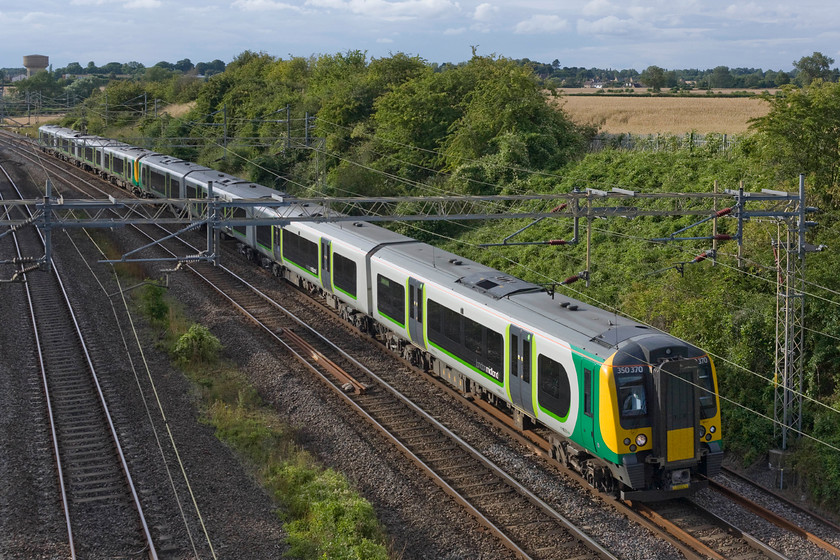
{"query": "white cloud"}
[(390, 10), (384, 40), (598, 8), (541, 24), (142, 4), (263, 5), (485, 12), (609, 25), (455, 31)]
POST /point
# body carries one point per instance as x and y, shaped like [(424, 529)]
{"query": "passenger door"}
[(326, 269), (415, 312), (521, 347)]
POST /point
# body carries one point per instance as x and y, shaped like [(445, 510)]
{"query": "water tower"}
[(35, 63)]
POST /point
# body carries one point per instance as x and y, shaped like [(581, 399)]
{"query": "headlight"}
[(702, 431), (627, 441), (641, 440), (713, 429)]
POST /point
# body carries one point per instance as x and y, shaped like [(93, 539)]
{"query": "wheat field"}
[(664, 115)]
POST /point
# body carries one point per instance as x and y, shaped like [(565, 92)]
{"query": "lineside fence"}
[(714, 143)]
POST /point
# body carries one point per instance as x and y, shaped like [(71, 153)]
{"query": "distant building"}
[(35, 63)]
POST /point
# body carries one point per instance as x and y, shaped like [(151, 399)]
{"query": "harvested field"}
[(665, 115)]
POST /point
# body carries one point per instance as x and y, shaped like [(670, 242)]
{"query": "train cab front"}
[(666, 418)]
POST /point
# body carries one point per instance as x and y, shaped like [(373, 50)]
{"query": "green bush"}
[(325, 518), (197, 345), (153, 303)]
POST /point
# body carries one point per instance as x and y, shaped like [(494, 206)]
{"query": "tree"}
[(721, 77), (809, 68), (74, 68), (799, 135), (654, 76), (112, 68), (184, 65), (133, 68), (165, 65)]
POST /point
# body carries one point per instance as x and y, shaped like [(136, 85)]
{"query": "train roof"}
[(126, 150), (361, 235), (172, 165), (225, 184), (588, 327)]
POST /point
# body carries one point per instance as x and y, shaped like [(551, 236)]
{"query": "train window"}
[(495, 349), (467, 340), (473, 333), (88, 153), (240, 213), (264, 236), (631, 396), (98, 158), (390, 299), (119, 165), (300, 252), (553, 390), (344, 274), (708, 405), (157, 181)]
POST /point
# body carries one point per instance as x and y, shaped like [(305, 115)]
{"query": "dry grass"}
[(665, 115), (180, 109)]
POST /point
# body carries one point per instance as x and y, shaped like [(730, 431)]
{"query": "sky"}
[(672, 34)]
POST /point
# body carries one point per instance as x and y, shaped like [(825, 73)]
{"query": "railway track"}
[(102, 510)]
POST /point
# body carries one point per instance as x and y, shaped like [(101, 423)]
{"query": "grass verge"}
[(323, 516)]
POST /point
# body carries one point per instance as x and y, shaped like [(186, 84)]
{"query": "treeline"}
[(804, 71), (136, 69)]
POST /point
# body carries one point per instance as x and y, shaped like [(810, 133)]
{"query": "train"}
[(634, 410)]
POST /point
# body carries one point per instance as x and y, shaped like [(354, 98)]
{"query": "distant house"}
[(593, 84)]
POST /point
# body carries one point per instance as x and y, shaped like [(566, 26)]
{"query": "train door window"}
[(514, 355), (264, 236), (553, 390), (344, 274), (390, 299), (587, 392), (526, 359)]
